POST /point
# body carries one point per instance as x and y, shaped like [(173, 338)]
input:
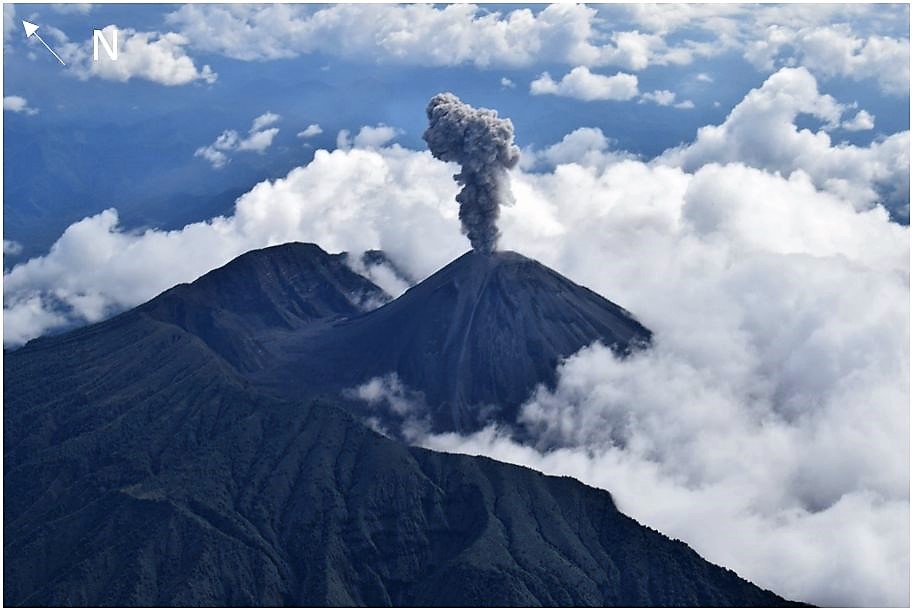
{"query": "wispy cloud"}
[(259, 138), (17, 104), (664, 97), (310, 131)]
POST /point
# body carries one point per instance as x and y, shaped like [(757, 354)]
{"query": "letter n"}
[(110, 49)]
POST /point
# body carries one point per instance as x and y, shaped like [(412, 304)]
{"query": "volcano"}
[(474, 339), (192, 452), (238, 308)]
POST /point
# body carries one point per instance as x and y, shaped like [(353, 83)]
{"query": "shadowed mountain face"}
[(236, 309), (475, 339), (143, 467)]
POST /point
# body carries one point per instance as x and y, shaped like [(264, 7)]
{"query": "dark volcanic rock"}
[(151, 476), (475, 339), (142, 468), (237, 308)]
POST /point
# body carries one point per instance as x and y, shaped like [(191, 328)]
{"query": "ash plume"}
[(483, 145)]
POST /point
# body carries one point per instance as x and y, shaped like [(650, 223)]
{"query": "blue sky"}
[(735, 175)]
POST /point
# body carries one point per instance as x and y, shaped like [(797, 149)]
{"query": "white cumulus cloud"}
[(835, 50), (264, 121), (860, 122), (587, 146), (761, 131), (258, 141), (426, 35), (338, 201), (18, 104), (152, 56), (856, 41), (664, 97), (368, 137), (582, 84), (310, 131), (259, 138), (851, 41)]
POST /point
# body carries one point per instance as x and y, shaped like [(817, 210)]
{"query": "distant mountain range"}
[(199, 450), (57, 174)]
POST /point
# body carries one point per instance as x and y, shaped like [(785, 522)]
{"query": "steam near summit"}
[(483, 145)]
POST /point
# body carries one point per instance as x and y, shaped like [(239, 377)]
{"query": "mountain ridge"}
[(142, 468), (483, 331)]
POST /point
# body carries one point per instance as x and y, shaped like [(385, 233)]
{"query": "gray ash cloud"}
[(483, 144)]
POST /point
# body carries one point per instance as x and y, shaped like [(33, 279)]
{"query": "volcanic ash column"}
[(483, 145)]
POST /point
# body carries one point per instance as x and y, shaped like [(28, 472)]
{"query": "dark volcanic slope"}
[(481, 332), (139, 469), (237, 308)]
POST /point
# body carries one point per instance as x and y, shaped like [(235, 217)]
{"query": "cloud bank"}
[(845, 41), (425, 35)]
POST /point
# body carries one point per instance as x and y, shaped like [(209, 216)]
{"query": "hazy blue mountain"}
[(57, 174)]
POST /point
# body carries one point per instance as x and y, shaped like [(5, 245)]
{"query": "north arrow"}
[(32, 30)]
